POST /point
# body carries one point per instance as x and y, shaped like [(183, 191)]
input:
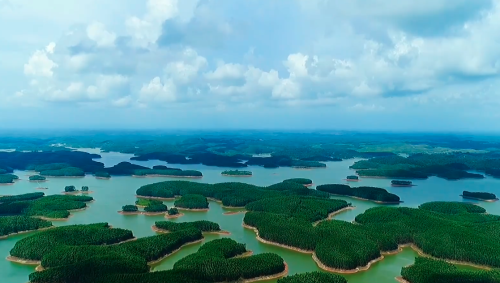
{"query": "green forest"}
[(202, 225), (37, 178), (15, 224), (192, 201), (236, 173), (479, 195), (368, 193)]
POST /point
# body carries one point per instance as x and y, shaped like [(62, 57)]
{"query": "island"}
[(236, 173), (428, 270), (102, 175), (173, 213), (400, 183), (65, 260), (52, 208), (483, 196), (380, 231), (192, 202), (155, 209), (352, 178), (37, 178), (147, 202), (202, 225), (129, 209), (8, 179), (303, 181), (167, 173), (64, 172), (374, 194), (12, 225)]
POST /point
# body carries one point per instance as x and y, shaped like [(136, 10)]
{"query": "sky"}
[(428, 65)]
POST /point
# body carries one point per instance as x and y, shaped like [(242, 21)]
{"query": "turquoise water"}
[(111, 195)]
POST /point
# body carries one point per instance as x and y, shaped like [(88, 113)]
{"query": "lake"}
[(111, 195)]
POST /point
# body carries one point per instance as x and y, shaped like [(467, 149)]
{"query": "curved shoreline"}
[(158, 198), (23, 261), (481, 199), (403, 186), (168, 216), (154, 262), (38, 181), (352, 180), (25, 232), (228, 175), (169, 176), (308, 185), (193, 209), (331, 215), (269, 277), (77, 192), (365, 199), (130, 212), (234, 212), (273, 243), (400, 279)]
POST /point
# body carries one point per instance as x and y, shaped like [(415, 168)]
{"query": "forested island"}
[(150, 206), (401, 183), (352, 178), (98, 253), (53, 207), (454, 231), (167, 173), (230, 194), (237, 173), (37, 178), (377, 195), (202, 225), (479, 196), (451, 166), (8, 178), (102, 175), (11, 225)]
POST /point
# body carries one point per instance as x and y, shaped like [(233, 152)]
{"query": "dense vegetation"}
[(69, 189), (64, 172), (479, 195), (401, 183), (85, 188), (369, 193), (302, 181), (35, 247), (129, 208), (451, 166), (156, 208), (124, 169), (352, 177), (147, 202), (168, 172), (102, 174), (15, 224), (37, 178), (173, 211), (450, 230), (202, 225), (35, 204), (236, 173), (208, 159), (426, 270), (192, 201), (8, 178), (49, 159), (233, 194), (313, 277)]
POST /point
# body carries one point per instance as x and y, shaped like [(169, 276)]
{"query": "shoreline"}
[(77, 193), (157, 261), (168, 216), (49, 176), (234, 212), (25, 232), (158, 198), (23, 261), (169, 176), (352, 180), (346, 271), (130, 212), (269, 277), (228, 175), (193, 209), (103, 178), (273, 243), (364, 199), (245, 254), (308, 185), (38, 181), (481, 199), (7, 184), (61, 219), (400, 279), (331, 215), (221, 232)]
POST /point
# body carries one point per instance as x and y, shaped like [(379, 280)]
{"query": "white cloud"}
[(106, 85), (186, 69), (97, 32), (225, 71), (145, 31), (156, 91), (122, 101), (39, 64)]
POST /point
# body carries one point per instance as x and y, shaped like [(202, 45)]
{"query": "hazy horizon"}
[(384, 66)]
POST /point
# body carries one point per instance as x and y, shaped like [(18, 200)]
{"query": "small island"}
[(147, 202), (483, 196), (102, 175), (302, 181), (202, 225), (155, 209), (173, 213), (400, 183), (71, 190), (192, 202), (129, 209), (8, 179), (236, 173), (37, 178), (352, 178), (374, 194)]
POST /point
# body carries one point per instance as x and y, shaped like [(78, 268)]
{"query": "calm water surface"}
[(111, 195)]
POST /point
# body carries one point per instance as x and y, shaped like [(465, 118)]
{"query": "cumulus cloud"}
[(39, 64), (97, 32), (156, 91)]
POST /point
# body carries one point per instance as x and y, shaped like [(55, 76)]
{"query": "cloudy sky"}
[(336, 64)]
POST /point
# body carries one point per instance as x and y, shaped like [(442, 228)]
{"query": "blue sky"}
[(374, 65)]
